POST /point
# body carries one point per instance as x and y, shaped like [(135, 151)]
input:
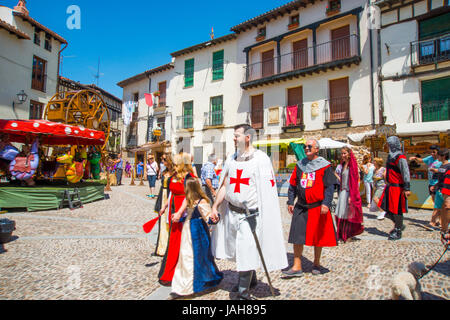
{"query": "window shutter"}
[(217, 111), (434, 26), (218, 65), (189, 73)]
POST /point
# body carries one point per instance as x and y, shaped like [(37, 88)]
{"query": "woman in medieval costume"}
[(196, 269), (394, 198), (349, 216), (183, 170), (163, 222)]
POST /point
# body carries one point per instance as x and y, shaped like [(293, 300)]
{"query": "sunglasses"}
[(308, 147)]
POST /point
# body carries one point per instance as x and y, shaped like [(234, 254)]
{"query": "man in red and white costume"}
[(248, 180), (312, 183)]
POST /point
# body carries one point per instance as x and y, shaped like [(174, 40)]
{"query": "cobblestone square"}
[(100, 252)]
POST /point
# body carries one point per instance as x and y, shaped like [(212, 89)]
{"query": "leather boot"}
[(396, 234), (245, 278), (253, 283)]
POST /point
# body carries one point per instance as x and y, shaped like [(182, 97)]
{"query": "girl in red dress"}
[(183, 170)]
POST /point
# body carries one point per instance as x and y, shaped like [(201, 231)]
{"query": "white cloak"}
[(232, 238)]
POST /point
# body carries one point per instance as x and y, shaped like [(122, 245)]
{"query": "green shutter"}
[(218, 65), (434, 26), (188, 111), (217, 111), (436, 99), (189, 73)]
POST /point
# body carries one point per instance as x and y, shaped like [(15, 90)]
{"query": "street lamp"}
[(21, 97)]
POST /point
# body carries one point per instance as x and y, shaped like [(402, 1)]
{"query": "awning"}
[(51, 133), (284, 143), (327, 143), (408, 129)]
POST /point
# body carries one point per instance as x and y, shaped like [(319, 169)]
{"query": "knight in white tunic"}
[(248, 180)]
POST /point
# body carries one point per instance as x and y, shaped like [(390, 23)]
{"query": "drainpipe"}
[(59, 61), (379, 77), (148, 108), (372, 106)]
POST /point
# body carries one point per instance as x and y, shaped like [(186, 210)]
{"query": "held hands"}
[(324, 209), (214, 215), (291, 209), (176, 217), (407, 193)]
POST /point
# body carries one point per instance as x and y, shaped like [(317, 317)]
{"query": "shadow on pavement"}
[(376, 232), (2, 248), (442, 268), (430, 296)]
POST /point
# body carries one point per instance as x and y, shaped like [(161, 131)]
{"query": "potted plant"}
[(156, 93), (333, 7)]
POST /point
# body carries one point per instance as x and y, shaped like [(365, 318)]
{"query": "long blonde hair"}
[(194, 192), (182, 165)]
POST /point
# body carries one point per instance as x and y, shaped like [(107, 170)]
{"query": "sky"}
[(131, 37)]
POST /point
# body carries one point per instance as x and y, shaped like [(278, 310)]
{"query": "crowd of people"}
[(233, 212)]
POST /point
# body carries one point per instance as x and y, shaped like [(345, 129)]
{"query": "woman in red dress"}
[(183, 170)]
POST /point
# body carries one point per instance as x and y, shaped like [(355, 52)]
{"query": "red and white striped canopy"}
[(52, 133)]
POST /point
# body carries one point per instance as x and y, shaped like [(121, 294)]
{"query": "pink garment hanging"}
[(291, 115)]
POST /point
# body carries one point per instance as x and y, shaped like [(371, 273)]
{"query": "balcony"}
[(214, 119), (291, 121), (431, 111), (430, 51), (328, 55), (185, 122), (337, 111)]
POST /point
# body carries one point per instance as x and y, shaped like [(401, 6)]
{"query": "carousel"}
[(43, 160)]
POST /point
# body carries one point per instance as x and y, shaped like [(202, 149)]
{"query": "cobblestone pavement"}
[(101, 252)]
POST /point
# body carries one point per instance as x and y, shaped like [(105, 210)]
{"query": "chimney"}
[(21, 7)]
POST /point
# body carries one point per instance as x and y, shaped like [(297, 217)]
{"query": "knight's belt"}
[(308, 206), (241, 210)]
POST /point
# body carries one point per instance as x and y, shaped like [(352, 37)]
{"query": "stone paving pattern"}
[(100, 252)]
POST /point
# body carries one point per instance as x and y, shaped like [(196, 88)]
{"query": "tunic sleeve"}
[(205, 211), (292, 192), (403, 165), (329, 181)]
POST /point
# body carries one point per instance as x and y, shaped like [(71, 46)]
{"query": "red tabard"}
[(317, 229), (446, 187), (393, 199)]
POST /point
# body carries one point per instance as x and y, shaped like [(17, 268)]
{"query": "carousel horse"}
[(24, 165), (75, 170), (94, 160)]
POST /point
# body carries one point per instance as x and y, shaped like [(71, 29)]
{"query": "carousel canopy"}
[(52, 133)]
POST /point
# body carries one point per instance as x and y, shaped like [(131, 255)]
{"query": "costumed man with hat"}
[(394, 198), (249, 231), (313, 184)]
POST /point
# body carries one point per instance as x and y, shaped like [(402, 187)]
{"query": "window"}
[(294, 20), (339, 100), (333, 6), (216, 115), (218, 65), (257, 112), (340, 45), (36, 109), (37, 37), (261, 33), (434, 34), (162, 94), (39, 76), (136, 110), (188, 112), (189, 73), (48, 42)]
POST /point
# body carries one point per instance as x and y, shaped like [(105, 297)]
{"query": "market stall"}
[(417, 139), (36, 180)]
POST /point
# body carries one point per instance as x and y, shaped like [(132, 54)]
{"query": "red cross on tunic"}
[(272, 181), (238, 181)]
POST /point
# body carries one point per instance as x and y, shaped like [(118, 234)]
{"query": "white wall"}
[(16, 66), (203, 90), (316, 86)]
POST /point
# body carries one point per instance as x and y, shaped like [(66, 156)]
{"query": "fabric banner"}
[(149, 99), (291, 115)]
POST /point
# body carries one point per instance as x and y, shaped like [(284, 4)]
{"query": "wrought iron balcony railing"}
[(431, 111), (429, 51), (214, 118), (185, 122), (292, 119), (337, 110), (335, 50)]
